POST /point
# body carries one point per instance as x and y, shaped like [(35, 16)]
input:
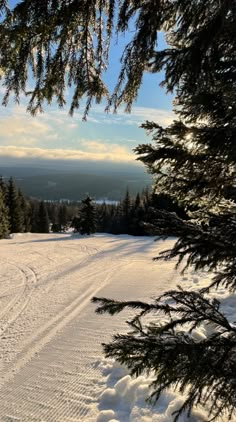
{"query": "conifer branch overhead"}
[(66, 44)]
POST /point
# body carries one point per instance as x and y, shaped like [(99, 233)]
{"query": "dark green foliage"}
[(137, 202), (171, 349), (163, 201), (122, 218), (34, 220), (70, 28), (75, 224), (53, 211), (4, 222), (3, 187), (43, 220), (87, 217), (135, 216), (16, 217), (126, 204), (80, 35), (55, 228), (62, 218), (25, 210)]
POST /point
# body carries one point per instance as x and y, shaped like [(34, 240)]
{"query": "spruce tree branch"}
[(199, 368)]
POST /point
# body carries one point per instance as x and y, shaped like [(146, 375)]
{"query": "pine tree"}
[(34, 212), (25, 211), (4, 222), (4, 188), (16, 218), (138, 217), (75, 224), (126, 204), (43, 220), (137, 202), (52, 210), (87, 216), (62, 217), (126, 208), (102, 217)]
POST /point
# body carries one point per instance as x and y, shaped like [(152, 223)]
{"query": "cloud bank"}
[(55, 135), (100, 153)]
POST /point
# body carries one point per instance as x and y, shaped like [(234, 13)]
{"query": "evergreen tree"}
[(4, 222), (126, 204), (87, 216), (52, 210), (62, 217), (102, 217), (111, 219), (75, 224), (138, 217), (193, 160), (43, 220), (146, 199), (3, 187), (34, 212), (25, 211), (137, 202), (126, 208), (16, 218)]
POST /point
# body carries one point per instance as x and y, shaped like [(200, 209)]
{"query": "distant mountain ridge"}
[(75, 185)]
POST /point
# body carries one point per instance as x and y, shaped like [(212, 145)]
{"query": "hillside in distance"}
[(74, 186)]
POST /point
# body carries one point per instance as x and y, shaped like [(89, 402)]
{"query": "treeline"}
[(133, 215), (19, 214)]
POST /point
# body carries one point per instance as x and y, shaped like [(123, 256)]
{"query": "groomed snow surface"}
[(52, 367)]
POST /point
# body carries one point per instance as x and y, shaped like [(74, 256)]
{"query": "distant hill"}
[(27, 171), (32, 167), (74, 186)]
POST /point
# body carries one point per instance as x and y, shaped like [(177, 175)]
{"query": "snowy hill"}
[(52, 367)]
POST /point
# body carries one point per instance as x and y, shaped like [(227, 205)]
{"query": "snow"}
[(124, 399), (52, 367)]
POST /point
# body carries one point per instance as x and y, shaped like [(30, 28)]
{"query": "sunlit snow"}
[(52, 367)]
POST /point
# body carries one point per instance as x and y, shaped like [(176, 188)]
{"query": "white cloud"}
[(19, 128), (45, 135), (137, 116), (95, 152), (14, 126), (163, 117)]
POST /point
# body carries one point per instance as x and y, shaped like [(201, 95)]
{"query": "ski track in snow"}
[(50, 336)]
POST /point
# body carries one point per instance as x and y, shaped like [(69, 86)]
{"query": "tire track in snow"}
[(20, 301), (11, 303), (55, 380), (49, 330), (59, 270)]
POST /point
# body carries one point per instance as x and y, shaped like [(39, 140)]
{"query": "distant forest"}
[(75, 185), (131, 215)]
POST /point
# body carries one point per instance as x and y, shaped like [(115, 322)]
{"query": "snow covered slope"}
[(52, 367)]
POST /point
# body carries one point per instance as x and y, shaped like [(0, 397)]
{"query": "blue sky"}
[(105, 137)]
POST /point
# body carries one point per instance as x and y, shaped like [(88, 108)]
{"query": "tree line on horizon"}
[(131, 215)]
